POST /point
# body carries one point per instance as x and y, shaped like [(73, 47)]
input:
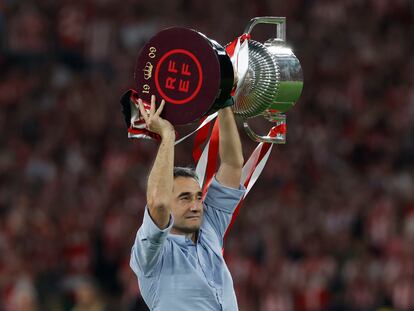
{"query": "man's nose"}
[(196, 206)]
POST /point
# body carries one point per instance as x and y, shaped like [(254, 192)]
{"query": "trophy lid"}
[(183, 67)]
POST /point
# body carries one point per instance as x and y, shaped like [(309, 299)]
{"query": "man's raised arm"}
[(160, 180), (231, 155)]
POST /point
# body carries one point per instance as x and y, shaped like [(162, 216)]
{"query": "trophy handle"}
[(280, 23), (279, 119)]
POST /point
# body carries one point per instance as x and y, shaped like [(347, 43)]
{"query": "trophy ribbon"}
[(238, 50), (207, 162), (254, 167), (135, 122)]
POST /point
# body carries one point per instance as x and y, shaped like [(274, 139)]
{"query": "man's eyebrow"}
[(184, 194)]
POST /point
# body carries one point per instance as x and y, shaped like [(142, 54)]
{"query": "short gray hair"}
[(185, 172)]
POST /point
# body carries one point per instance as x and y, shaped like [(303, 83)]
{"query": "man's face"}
[(187, 207)]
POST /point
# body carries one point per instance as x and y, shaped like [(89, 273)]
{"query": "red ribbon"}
[(231, 48), (212, 156), (274, 131), (200, 139), (144, 132), (232, 45)]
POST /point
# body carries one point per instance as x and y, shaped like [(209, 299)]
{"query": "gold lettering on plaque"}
[(152, 51), (147, 71), (145, 88)]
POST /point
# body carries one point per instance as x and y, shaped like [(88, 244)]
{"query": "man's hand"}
[(153, 120)]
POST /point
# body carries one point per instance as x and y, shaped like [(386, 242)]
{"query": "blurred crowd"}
[(328, 226)]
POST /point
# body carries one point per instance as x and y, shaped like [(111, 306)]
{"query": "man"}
[(177, 254)]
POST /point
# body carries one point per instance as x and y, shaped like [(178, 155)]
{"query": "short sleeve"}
[(219, 205), (151, 231), (148, 246), (222, 197)]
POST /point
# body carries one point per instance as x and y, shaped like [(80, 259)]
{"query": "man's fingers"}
[(153, 114), (160, 108), (152, 109), (144, 113)]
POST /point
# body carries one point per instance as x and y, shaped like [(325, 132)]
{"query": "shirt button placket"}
[(219, 296)]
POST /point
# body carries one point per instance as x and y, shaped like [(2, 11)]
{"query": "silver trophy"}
[(273, 81), (196, 76)]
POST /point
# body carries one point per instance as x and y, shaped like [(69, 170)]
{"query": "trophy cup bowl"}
[(273, 82)]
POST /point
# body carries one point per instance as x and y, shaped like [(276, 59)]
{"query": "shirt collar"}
[(182, 239)]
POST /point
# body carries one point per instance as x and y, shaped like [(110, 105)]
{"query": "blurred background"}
[(328, 226)]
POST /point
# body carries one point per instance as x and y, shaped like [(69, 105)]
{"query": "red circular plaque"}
[(180, 67), (186, 69)]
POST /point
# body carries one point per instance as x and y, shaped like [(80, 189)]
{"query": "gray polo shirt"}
[(176, 274)]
